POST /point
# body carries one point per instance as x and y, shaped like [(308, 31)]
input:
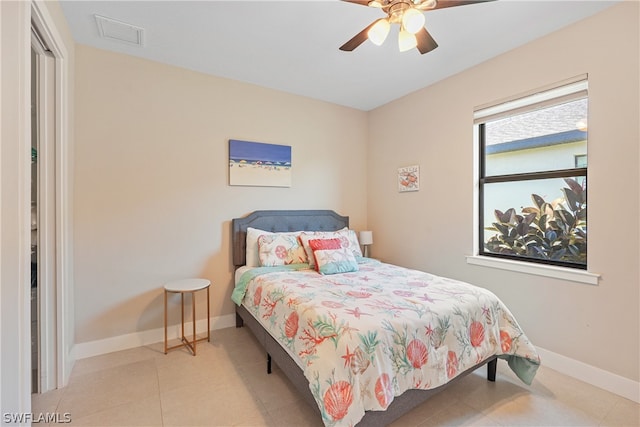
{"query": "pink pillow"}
[(348, 240), (331, 258)]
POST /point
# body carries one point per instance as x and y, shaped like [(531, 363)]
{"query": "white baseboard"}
[(138, 339), (591, 375)]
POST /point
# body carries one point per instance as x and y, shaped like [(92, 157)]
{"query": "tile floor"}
[(226, 384)]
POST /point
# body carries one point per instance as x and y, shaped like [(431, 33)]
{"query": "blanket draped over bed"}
[(362, 338)]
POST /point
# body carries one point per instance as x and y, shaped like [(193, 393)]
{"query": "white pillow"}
[(252, 252), (280, 249)]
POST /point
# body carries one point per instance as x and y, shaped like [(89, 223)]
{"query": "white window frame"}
[(506, 107)]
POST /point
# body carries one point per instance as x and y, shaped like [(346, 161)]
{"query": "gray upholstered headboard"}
[(278, 221)]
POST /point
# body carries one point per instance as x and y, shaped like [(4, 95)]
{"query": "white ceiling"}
[(292, 46)]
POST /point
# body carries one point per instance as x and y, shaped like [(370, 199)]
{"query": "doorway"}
[(44, 349), (34, 225)]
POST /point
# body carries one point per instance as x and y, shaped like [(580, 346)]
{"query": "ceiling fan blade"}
[(426, 43), (360, 2), (452, 3), (359, 38)]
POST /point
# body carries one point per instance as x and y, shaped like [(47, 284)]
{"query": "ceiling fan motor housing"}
[(396, 10)]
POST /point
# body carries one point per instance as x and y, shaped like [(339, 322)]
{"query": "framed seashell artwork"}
[(409, 178)]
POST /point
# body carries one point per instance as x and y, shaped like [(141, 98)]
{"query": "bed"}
[(367, 344)]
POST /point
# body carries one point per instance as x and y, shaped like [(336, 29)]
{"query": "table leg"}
[(208, 318), (165, 321), (193, 307), (182, 312)]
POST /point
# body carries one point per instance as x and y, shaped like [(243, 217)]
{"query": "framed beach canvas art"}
[(409, 178), (259, 164)]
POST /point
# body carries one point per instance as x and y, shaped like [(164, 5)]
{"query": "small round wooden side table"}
[(182, 287)]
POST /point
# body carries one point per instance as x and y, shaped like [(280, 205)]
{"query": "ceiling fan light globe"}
[(427, 4), (378, 33), (406, 41), (413, 20)]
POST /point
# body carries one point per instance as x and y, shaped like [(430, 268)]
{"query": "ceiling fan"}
[(409, 14)]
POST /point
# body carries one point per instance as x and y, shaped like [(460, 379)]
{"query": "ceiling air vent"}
[(119, 31)]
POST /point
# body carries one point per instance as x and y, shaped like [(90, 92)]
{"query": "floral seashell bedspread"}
[(363, 338)]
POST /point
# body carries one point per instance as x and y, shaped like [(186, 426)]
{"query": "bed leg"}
[(268, 363), (239, 321), (491, 370)]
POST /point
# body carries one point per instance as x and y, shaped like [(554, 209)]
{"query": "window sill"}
[(536, 269)]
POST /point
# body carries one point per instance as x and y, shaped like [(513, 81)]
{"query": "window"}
[(533, 177)]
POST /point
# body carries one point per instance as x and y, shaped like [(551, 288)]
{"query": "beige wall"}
[(152, 196), (432, 229)]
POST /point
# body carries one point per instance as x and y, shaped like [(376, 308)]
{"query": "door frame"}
[(45, 129), (56, 300)]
